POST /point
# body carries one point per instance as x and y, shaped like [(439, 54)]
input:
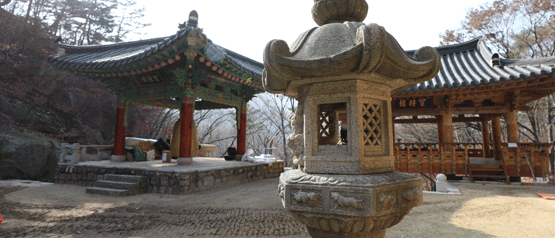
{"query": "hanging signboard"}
[(413, 103)]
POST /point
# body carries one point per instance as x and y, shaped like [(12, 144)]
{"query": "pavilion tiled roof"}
[(104, 57), (467, 64), (471, 64)]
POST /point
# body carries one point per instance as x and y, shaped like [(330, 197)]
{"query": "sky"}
[(246, 26)]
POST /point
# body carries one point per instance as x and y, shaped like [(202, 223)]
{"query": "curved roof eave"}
[(120, 54), (469, 64)]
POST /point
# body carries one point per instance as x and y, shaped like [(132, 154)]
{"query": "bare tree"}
[(276, 110), (5, 2)]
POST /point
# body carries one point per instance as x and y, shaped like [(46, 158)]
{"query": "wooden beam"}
[(407, 121), (466, 119), (435, 120), (455, 110)]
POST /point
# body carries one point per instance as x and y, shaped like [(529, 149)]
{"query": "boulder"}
[(27, 156)]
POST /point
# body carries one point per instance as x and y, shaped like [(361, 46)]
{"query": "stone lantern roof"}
[(341, 49)]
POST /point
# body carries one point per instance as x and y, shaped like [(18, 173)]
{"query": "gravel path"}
[(251, 210), (254, 210)]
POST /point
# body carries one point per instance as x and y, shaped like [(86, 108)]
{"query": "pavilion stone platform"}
[(169, 178)]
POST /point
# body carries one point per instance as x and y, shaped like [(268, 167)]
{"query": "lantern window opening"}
[(328, 123)]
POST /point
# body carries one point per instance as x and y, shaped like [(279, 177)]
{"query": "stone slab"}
[(199, 164), (23, 183), (117, 158), (116, 185), (184, 161), (109, 191), (124, 178), (450, 190)]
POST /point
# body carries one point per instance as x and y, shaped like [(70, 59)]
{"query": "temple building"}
[(184, 71), (474, 81)]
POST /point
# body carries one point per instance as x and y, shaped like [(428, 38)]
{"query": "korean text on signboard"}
[(412, 103)]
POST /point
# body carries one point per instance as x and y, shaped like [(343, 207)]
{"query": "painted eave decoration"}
[(147, 62)]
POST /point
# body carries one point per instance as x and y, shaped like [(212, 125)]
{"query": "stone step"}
[(487, 169), (116, 185), (109, 191), (489, 176), (486, 166), (125, 178)]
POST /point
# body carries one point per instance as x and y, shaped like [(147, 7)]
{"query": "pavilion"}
[(474, 81), (185, 71)]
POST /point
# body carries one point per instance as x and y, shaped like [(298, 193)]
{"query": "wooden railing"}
[(453, 158), (519, 160)]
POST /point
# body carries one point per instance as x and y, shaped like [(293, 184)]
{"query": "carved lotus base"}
[(349, 205)]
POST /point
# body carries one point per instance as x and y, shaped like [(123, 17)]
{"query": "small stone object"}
[(117, 158), (184, 161), (441, 183)]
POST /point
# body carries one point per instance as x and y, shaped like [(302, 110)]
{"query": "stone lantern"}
[(343, 73)]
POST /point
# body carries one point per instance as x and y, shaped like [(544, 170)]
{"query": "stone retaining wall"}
[(171, 182)]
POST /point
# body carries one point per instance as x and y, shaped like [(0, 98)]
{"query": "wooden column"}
[(512, 126), (393, 130), (486, 138), (445, 128), (439, 129), (187, 110), (242, 131), (496, 128), (119, 133)]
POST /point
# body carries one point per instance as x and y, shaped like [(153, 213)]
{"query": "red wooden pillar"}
[(119, 133), (242, 132), (187, 109)]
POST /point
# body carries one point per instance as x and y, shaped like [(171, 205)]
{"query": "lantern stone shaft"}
[(343, 73)]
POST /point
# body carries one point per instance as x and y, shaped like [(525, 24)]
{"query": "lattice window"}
[(372, 124), (324, 124)]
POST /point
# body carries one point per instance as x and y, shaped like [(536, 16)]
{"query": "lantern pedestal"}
[(349, 205)]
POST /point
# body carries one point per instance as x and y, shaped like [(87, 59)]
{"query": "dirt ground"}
[(254, 210)]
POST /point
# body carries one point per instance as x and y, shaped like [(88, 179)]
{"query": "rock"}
[(26, 155), (10, 172)]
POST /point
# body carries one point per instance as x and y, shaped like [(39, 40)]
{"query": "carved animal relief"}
[(387, 200), (347, 202), (311, 198)]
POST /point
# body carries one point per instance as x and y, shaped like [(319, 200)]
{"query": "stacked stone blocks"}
[(165, 182)]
